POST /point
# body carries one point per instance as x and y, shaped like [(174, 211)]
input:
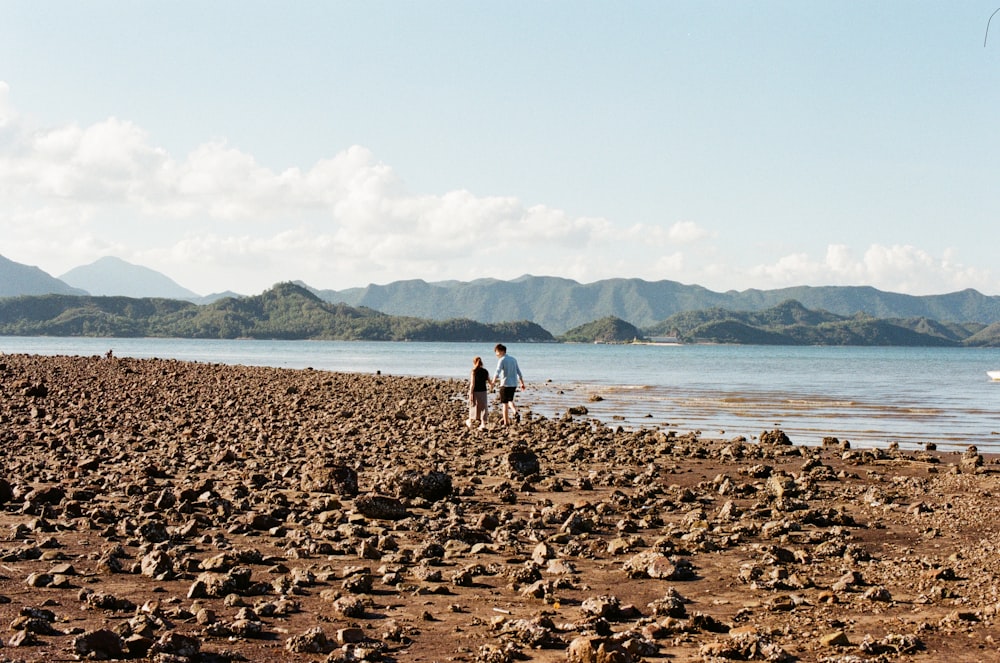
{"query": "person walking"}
[(479, 381), (508, 376)]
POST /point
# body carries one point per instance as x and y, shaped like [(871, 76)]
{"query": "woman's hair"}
[(477, 362)]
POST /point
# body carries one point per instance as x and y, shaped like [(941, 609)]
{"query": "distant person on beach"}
[(508, 376), (479, 382)]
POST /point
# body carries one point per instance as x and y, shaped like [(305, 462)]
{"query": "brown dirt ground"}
[(921, 525)]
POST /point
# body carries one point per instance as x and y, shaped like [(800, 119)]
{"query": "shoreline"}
[(872, 398), (638, 407), (275, 514)]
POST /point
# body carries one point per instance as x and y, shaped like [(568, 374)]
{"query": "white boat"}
[(994, 375)]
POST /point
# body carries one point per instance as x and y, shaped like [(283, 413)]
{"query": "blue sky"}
[(232, 145)]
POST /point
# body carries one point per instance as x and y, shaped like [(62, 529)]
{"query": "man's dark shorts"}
[(507, 394)]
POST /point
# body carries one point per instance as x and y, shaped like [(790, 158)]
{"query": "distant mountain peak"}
[(17, 279), (112, 276)]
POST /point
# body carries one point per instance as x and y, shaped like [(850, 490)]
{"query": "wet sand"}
[(186, 511)]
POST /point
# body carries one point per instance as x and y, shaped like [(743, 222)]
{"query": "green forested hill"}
[(605, 330), (286, 311), (290, 311), (790, 323)]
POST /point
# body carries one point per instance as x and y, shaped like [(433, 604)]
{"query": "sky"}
[(232, 145)]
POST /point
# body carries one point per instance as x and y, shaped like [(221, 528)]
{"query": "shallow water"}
[(870, 396)]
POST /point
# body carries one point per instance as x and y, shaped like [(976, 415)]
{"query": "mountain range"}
[(17, 279), (105, 277), (556, 304), (290, 311), (559, 304)]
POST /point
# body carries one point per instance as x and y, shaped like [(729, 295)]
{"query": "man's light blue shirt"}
[(508, 372)]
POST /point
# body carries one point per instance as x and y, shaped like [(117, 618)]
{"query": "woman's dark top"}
[(479, 378)]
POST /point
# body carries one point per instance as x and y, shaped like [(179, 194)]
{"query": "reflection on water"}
[(806, 419)]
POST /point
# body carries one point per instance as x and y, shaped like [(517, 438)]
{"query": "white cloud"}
[(217, 219), (896, 268), (686, 232), (217, 209), (8, 114)]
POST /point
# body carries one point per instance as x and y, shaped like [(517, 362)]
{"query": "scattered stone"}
[(146, 479)]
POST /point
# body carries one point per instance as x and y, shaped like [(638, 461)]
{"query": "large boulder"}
[(522, 461), (336, 479), (380, 507), (432, 486)]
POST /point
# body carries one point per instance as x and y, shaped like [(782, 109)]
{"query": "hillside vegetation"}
[(605, 330), (290, 311), (556, 304), (286, 311), (790, 323), (559, 304)]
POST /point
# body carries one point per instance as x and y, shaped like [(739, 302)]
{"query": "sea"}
[(869, 396)]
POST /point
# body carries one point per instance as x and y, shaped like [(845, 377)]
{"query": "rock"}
[(36, 625), (522, 461), (138, 646), (23, 638), (103, 601), (313, 641), (380, 507), (432, 486), (780, 486), (349, 606), (671, 605), (971, 460), (605, 607), (891, 644), (774, 438), (650, 564), (589, 649), (877, 594), (746, 647), (39, 580), (157, 564), (835, 639), (347, 636), (246, 628), (46, 495), (176, 644), (583, 649), (102, 645), (335, 479)]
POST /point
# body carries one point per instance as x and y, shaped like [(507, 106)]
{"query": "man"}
[(508, 376)]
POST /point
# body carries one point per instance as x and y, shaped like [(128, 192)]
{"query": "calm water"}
[(870, 396)]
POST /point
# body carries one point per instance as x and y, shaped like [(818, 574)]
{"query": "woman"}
[(478, 382)]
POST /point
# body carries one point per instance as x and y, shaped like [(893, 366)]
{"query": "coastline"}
[(152, 481), (872, 397)]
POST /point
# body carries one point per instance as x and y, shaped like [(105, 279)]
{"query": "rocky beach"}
[(193, 512)]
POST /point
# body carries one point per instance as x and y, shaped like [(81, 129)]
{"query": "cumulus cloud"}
[(686, 232), (217, 219), (219, 208), (7, 113), (897, 268)]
